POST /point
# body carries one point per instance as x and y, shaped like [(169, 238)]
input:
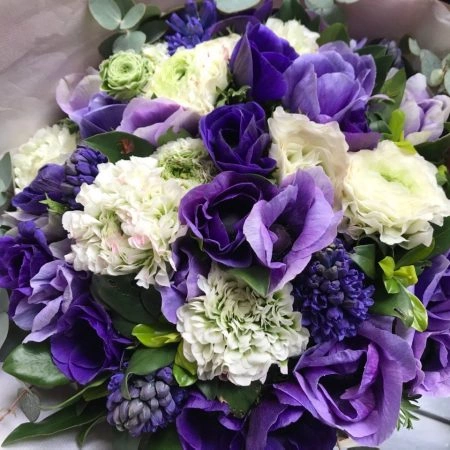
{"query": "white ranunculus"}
[(299, 143), (129, 222), (394, 194), (299, 37), (48, 145), (192, 77), (234, 332)]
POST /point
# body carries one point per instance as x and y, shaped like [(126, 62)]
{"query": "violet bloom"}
[(208, 424), (86, 344), (215, 214), (190, 262), (354, 385), (54, 288), (334, 84), (151, 119), (287, 229), (260, 60), (277, 425), (424, 114), (237, 138)]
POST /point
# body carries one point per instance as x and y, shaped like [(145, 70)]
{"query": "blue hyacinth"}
[(332, 294), (191, 26)]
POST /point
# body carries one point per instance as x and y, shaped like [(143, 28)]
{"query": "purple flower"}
[(425, 114), (190, 262), (215, 214), (53, 288), (338, 84), (354, 385), (205, 424), (237, 138), (86, 344), (151, 119), (286, 230), (22, 256), (275, 425), (191, 25), (260, 60)]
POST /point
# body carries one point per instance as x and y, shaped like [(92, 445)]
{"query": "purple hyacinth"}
[(333, 295), (191, 27), (80, 168), (156, 400)]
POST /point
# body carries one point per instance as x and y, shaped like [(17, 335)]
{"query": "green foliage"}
[(54, 207), (29, 404), (86, 430), (408, 409), (436, 151), (4, 318), (258, 278), (232, 95), (156, 335), (184, 371), (163, 439), (234, 6), (106, 12), (335, 32), (364, 258), (441, 238), (133, 40), (32, 363), (417, 255), (170, 136), (133, 16), (117, 145), (292, 10), (6, 181), (154, 30)]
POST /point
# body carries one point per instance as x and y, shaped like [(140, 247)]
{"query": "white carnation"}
[(299, 143), (394, 194), (48, 145), (192, 77), (299, 37), (129, 222), (234, 332)]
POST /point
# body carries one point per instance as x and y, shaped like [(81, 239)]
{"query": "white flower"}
[(186, 159), (192, 77), (156, 54), (234, 332), (299, 143), (299, 37), (129, 222), (394, 194), (48, 145)]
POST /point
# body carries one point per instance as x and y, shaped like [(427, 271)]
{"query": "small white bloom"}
[(129, 222), (234, 332), (156, 54), (394, 194), (192, 77), (299, 143), (299, 37), (48, 145)]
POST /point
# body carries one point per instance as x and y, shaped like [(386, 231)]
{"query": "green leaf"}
[(15, 337), (414, 47), (394, 88), (154, 30), (170, 136), (447, 81), (364, 258), (156, 335), (183, 377), (408, 409), (4, 327), (181, 361), (94, 393), (86, 430), (131, 40), (151, 11), (163, 439), (258, 278), (292, 10), (30, 405), (406, 275), (420, 322), (63, 420), (6, 181), (441, 238), (32, 363), (434, 151), (106, 47), (396, 124), (383, 65), (233, 6), (133, 16), (387, 264), (416, 255), (54, 207), (392, 285), (406, 146), (429, 62), (395, 305), (124, 441), (124, 5), (335, 32), (106, 12), (117, 145)]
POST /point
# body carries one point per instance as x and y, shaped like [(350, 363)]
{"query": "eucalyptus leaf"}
[(258, 278), (32, 363), (29, 404), (234, 6), (429, 62), (106, 12), (151, 11), (364, 258), (133, 17), (6, 181), (4, 327), (124, 5), (335, 32), (447, 81), (131, 40), (154, 30), (321, 7), (156, 335), (414, 47), (436, 77), (106, 47)]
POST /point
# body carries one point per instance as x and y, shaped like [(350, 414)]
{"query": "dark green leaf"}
[(4, 327), (394, 88), (234, 6), (170, 136), (123, 441), (117, 145), (181, 361), (383, 65), (14, 338), (86, 429), (183, 377), (106, 12), (133, 16), (123, 326), (375, 50), (258, 278), (106, 47), (163, 439), (131, 40), (63, 420), (335, 32), (292, 10), (30, 405), (94, 393), (32, 363), (6, 181), (395, 305), (364, 257), (434, 151), (416, 255), (156, 335), (151, 11), (124, 5), (441, 239), (154, 30)]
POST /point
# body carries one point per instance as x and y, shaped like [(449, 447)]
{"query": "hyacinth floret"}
[(155, 401), (333, 294)]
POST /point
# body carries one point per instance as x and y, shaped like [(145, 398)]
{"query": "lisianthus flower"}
[(393, 194), (234, 332), (425, 114), (354, 385), (236, 138), (286, 230)]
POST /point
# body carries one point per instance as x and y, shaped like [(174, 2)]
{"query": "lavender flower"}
[(332, 295)]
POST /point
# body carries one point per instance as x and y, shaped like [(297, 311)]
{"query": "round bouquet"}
[(238, 237)]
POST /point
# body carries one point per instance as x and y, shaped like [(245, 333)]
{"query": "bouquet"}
[(237, 238)]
